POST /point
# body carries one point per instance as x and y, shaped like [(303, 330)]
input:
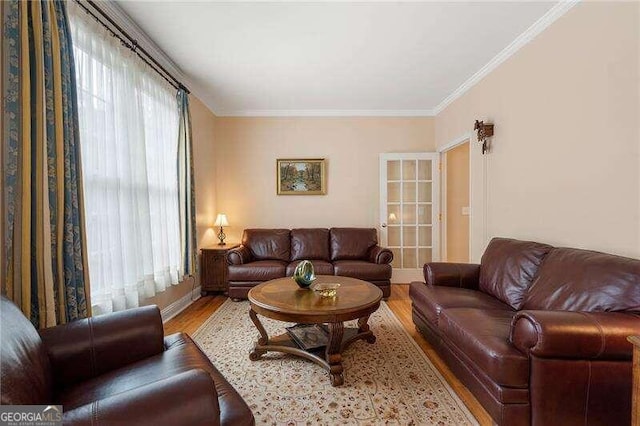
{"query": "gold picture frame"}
[(301, 176)]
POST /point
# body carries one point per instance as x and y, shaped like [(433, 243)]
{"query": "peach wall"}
[(246, 153), (204, 144), (564, 166)]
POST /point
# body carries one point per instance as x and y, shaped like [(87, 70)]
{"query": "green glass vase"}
[(304, 275)]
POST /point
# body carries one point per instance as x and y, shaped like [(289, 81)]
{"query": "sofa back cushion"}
[(582, 280), (508, 268), (310, 244), (268, 244), (352, 243), (25, 372)]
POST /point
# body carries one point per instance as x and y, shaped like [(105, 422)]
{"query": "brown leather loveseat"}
[(114, 369), (537, 333), (267, 254)]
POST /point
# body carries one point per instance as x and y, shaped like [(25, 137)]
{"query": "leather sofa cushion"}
[(508, 268), (432, 300), (181, 355), (307, 244), (25, 368), (320, 267), (582, 280), (483, 336), (260, 270), (268, 244), (352, 243), (362, 270)]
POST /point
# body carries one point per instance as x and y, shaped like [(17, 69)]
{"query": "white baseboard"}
[(180, 305)]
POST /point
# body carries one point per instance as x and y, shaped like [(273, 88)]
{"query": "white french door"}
[(409, 211)]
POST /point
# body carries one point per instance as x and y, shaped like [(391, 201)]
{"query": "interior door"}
[(409, 212)]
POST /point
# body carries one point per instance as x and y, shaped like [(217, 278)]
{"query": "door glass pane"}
[(424, 214), (409, 235), (393, 192), (393, 236), (424, 256), (393, 213), (410, 206), (393, 170), (408, 170), (397, 259), (409, 213), (424, 169), (424, 192), (409, 258), (409, 191), (425, 236)]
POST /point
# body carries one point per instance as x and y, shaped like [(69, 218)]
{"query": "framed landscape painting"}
[(304, 176)]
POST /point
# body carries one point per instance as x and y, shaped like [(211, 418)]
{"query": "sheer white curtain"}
[(128, 118)]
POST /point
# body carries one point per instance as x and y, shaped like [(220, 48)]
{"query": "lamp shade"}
[(221, 220)]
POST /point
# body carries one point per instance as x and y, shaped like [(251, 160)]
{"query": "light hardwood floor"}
[(191, 318)]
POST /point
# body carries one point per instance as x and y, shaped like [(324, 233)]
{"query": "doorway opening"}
[(456, 200)]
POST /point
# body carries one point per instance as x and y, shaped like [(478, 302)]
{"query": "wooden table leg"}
[(333, 355), (363, 327), (263, 340)]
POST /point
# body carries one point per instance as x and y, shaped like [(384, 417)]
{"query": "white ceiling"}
[(289, 58)]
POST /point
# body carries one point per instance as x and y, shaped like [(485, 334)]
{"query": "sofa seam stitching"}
[(601, 330), (586, 401), (539, 333), (92, 347)]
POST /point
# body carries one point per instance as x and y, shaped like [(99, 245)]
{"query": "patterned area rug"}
[(389, 382)]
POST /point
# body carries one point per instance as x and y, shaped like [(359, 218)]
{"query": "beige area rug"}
[(389, 382)]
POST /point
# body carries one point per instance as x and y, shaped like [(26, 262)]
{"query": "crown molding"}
[(121, 17), (328, 113), (118, 14), (529, 34)]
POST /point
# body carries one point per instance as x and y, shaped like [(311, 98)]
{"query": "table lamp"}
[(221, 220)]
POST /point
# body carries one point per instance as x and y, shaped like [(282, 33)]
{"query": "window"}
[(128, 118)]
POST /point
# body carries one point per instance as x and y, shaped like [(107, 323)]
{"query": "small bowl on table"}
[(326, 289)]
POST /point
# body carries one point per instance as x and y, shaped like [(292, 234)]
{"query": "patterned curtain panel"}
[(46, 273), (187, 193)]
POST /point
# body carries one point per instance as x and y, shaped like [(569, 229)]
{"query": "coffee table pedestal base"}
[(340, 338)]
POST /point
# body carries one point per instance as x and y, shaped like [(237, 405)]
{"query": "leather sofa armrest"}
[(89, 347), (577, 335), (239, 255), (188, 398), (462, 275), (380, 255)]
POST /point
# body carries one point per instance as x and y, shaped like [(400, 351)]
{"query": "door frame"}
[(402, 275), (462, 139)]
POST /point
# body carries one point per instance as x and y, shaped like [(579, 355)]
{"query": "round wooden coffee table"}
[(283, 300)]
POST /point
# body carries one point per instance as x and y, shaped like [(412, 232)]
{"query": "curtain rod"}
[(131, 43)]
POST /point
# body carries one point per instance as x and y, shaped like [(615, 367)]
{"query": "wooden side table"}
[(214, 269), (635, 398)]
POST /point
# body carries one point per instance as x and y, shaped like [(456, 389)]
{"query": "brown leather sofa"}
[(537, 333), (114, 369), (267, 254)]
